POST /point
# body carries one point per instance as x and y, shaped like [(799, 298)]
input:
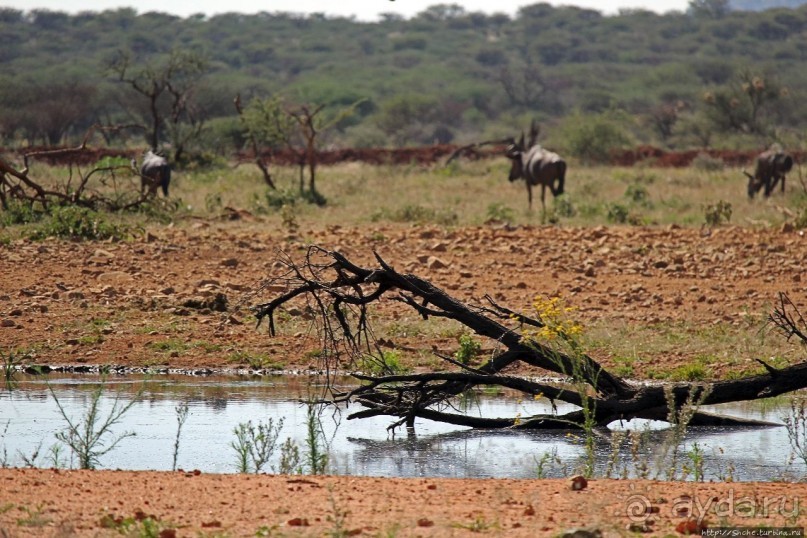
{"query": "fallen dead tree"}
[(340, 293)]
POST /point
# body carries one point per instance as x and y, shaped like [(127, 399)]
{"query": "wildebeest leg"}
[(165, 179), (561, 179), (543, 197), (529, 194), (777, 178), (772, 186)]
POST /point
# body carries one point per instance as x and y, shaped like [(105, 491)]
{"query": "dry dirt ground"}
[(158, 301)]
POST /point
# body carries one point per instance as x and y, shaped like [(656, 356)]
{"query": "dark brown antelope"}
[(537, 166), (771, 167)]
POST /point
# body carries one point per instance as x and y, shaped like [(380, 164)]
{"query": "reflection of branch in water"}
[(515, 454)]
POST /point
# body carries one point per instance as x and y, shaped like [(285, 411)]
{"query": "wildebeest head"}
[(514, 152)]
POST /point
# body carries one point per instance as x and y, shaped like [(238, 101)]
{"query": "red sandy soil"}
[(45, 502), (85, 303), (114, 303)]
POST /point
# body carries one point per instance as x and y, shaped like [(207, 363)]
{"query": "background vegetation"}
[(708, 77)]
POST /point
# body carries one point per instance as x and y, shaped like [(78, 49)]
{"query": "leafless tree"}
[(168, 88)]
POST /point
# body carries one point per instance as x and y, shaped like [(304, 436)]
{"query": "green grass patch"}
[(172, 345)]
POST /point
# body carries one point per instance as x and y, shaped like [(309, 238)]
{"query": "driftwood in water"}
[(340, 293)]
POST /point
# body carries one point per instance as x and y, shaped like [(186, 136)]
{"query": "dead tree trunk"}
[(341, 294)]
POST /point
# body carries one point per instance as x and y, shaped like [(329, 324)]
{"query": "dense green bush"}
[(72, 222), (592, 137)]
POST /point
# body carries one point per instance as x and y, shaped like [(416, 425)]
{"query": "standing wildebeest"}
[(154, 172), (771, 167), (537, 166)]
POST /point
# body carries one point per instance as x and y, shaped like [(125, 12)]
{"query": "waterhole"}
[(30, 419)]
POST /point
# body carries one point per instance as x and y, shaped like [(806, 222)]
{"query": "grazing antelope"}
[(537, 166), (154, 172), (771, 167)]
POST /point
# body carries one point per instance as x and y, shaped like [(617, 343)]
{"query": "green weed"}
[(796, 424), (140, 525), (417, 214), (182, 412), (73, 222), (11, 364), (500, 212), (316, 454), (171, 345), (88, 437), (696, 463), (469, 349), (717, 213), (254, 445), (290, 460), (34, 518), (693, 371), (389, 362), (638, 194)]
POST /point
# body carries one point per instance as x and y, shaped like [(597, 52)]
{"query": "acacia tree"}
[(168, 87), (743, 106), (267, 127), (270, 123), (312, 121)]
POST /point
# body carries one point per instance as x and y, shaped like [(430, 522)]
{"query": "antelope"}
[(771, 167), (537, 166), (154, 172)]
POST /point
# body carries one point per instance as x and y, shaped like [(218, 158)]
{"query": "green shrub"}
[(500, 212), (276, 199), (562, 207), (389, 363), (72, 222), (469, 349), (592, 137), (717, 214), (617, 214), (638, 194), (695, 371), (162, 210), (706, 163), (417, 214), (19, 213)]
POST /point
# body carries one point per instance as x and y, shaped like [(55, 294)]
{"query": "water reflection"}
[(29, 418)]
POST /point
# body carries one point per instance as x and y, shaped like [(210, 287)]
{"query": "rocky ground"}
[(180, 298)]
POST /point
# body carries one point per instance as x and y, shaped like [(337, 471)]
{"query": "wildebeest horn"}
[(534, 130), (521, 141)]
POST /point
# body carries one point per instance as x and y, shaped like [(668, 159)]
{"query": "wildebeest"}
[(537, 166), (154, 172), (771, 167)]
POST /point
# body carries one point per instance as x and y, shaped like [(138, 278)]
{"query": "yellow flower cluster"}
[(555, 316)]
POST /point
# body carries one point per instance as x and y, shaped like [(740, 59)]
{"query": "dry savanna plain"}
[(672, 274)]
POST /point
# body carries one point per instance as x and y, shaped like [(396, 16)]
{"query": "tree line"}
[(707, 77)]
